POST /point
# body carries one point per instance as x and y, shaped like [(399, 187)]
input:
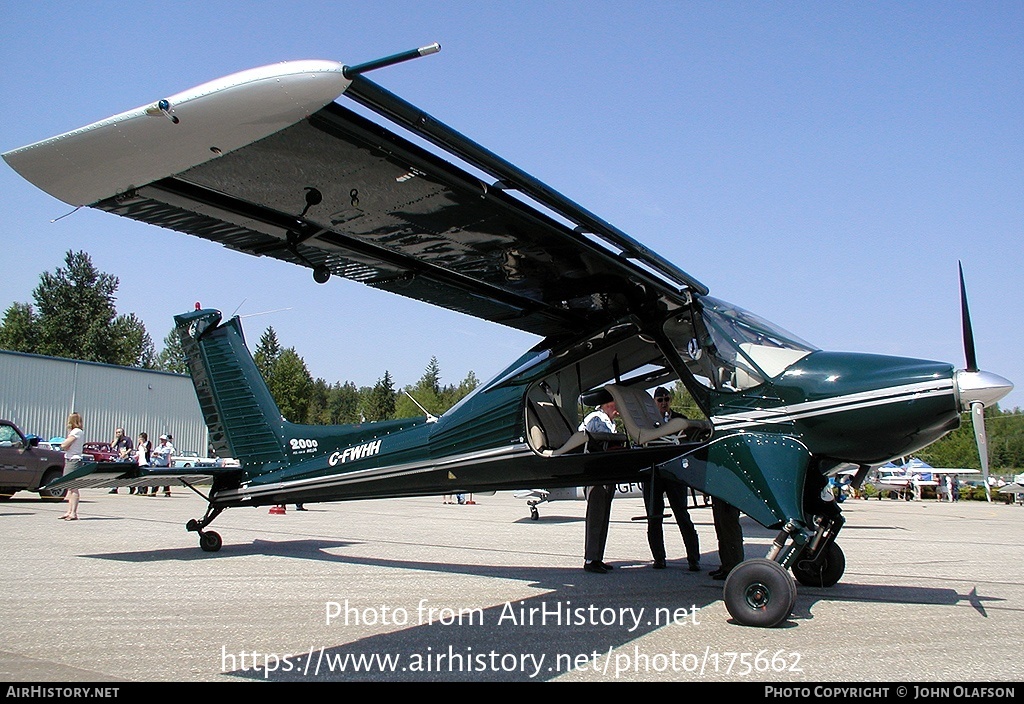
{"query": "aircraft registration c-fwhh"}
[(266, 163)]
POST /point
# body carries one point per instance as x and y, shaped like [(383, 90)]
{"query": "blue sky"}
[(824, 165)]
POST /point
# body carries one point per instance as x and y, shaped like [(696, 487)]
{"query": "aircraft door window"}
[(697, 351)]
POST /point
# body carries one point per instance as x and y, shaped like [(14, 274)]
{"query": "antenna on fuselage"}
[(431, 418), (264, 312)]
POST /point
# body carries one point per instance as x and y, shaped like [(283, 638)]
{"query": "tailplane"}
[(242, 418)]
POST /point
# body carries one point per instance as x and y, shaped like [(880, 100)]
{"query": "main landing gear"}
[(762, 593)]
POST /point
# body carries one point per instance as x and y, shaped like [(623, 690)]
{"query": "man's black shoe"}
[(721, 573), (694, 567), (595, 567), (659, 564), (607, 567)]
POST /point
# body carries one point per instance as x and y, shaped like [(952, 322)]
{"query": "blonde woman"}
[(73, 446)]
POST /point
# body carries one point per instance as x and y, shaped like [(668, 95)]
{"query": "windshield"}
[(730, 349)]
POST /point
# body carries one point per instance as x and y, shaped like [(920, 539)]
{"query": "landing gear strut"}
[(209, 541), (762, 593)]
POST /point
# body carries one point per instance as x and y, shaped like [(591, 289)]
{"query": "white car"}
[(192, 459)]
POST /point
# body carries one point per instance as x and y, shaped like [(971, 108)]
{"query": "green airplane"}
[(267, 163)]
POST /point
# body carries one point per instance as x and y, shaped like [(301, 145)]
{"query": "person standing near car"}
[(122, 447), (161, 457), (73, 446), (143, 449)]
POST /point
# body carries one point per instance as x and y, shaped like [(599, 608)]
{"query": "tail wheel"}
[(210, 541), (760, 593), (823, 573)]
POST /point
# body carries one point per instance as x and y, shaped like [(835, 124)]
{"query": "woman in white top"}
[(73, 446)]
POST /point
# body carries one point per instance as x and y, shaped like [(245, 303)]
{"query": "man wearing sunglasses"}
[(655, 491)]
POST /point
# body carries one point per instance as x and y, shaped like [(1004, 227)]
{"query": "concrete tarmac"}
[(417, 590)]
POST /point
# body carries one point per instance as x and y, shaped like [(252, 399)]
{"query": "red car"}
[(100, 451)]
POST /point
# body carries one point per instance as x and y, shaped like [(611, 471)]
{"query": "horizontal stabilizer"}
[(109, 475)]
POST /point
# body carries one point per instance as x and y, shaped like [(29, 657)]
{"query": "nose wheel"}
[(760, 593)]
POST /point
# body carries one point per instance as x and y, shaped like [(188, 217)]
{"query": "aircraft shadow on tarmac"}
[(494, 644), (588, 616)]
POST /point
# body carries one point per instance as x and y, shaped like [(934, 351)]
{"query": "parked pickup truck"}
[(26, 465)]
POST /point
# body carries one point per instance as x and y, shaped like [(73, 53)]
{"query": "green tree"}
[(18, 329), (291, 385), (380, 403), (172, 356), (451, 395), (343, 402), (267, 351), (426, 392), (75, 317), (1005, 431), (132, 342), (431, 379), (317, 411), (682, 402)]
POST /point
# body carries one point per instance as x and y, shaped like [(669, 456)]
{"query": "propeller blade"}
[(965, 319), (978, 417)]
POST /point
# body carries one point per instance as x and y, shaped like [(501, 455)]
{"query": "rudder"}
[(243, 420)]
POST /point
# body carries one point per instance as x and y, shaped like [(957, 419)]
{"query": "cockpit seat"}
[(643, 422), (550, 432)]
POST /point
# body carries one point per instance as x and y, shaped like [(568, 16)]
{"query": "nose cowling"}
[(980, 387)]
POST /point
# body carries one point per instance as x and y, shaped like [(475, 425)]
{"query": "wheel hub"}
[(758, 596)]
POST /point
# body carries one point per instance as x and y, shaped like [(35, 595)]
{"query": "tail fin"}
[(243, 420)]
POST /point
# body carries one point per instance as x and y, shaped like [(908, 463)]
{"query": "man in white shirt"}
[(599, 497), (161, 457)]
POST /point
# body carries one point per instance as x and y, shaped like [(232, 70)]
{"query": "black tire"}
[(760, 593), (210, 541), (51, 475), (826, 572), (534, 513)]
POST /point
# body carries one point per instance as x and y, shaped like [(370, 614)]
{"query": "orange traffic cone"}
[(277, 510)]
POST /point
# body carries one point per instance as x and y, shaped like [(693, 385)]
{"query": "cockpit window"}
[(730, 349)]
